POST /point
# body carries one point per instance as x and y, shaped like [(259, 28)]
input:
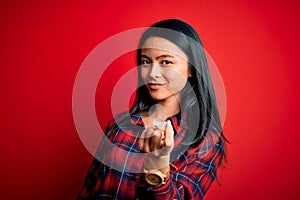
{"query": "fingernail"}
[(156, 123), (169, 123)]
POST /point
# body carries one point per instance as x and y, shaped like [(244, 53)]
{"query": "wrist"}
[(157, 162), (156, 178)]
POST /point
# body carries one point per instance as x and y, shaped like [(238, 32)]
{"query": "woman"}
[(174, 125)]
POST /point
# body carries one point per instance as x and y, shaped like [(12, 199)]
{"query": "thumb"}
[(169, 139)]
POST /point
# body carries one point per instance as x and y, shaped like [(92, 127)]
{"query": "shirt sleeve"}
[(94, 176), (194, 177), (91, 181)]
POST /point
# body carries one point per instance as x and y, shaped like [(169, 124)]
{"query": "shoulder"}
[(211, 142), (211, 150), (124, 130)]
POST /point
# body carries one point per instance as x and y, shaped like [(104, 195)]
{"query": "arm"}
[(195, 174), (90, 185), (95, 173)]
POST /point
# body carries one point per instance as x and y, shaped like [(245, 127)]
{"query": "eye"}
[(166, 62), (145, 62)]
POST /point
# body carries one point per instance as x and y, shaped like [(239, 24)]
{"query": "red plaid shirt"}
[(194, 173)]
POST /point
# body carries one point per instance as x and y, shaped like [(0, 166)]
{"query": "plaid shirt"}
[(191, 173)]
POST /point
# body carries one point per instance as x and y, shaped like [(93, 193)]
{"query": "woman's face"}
[(164, 68)]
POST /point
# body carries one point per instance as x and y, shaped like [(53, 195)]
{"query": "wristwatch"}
[(155, 178)]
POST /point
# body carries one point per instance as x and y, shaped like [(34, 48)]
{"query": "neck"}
[(166, 108)]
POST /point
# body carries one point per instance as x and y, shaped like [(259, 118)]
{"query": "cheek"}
[(176, 79), (144, 74)]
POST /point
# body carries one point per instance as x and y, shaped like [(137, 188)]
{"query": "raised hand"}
[(158, 142)]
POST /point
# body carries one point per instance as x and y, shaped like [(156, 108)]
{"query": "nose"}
[(155, 71)]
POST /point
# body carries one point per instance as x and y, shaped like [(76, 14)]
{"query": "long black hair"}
[(202, 99)]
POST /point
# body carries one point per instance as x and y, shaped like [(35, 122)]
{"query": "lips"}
[(155, 86)]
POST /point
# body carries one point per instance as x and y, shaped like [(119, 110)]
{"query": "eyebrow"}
[(158, 57)]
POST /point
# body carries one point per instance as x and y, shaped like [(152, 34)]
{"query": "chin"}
[(155, 98)]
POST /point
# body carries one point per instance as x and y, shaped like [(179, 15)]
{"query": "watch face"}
[(153, 179)]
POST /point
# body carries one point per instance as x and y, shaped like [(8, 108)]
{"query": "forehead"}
[(161, 45)]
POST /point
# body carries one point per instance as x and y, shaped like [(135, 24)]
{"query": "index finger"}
[(169, 137)]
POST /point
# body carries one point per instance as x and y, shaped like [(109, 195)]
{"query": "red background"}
[(255, 44)]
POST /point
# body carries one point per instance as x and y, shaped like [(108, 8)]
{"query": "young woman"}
[(172, 136)]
